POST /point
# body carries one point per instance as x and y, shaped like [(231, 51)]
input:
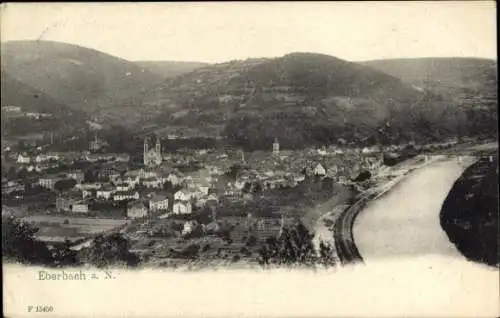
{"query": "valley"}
[(211, 191)]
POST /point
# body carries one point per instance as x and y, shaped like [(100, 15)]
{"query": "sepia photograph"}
[(250, 159)]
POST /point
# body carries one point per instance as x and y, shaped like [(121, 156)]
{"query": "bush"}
[(19, 244), (108, 251), (251, 241)]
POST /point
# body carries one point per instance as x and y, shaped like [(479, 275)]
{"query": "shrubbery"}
[(19, 245)]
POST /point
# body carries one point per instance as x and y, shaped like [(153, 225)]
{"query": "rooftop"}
[(159, 197)]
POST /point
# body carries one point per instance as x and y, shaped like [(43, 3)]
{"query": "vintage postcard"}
[(250, 159)]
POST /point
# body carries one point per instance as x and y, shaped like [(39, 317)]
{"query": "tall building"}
[(276, 147), (152, 157), (97, 143)]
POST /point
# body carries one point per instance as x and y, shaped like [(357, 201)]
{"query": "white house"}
[(146, 174), (152, 183), (181, 207), (189, 227), (105, 192), (86, 194), (158, 202), (48, 182), (124, 186), (76, 175), (122, 158), (319, 170), (23, 159), (45, 166), (13, 109), (89, 186), (46, 157), (175, 179), (125, 195), (131, 179), (80, 207), (183, 195)]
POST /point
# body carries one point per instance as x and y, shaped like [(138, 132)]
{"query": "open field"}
[(55, 228)]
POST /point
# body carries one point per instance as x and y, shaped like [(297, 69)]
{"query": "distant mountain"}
[(450, 76), (168, 69), (300, 98), (75, 76), (468, 83)]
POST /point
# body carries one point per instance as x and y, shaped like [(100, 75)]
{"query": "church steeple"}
[(158, 146), (145, 152), (276, 147)]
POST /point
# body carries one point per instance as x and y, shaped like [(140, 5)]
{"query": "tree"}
[(327, 183), (22, 173), (65, 256), (190, 252), (326, 254), (233, 171), (11, 173), (89, 176), (167, 186), (19, 244), (257, 189), (247, 187), (64, 185), (293, 246), (251, 241), (111, 250)]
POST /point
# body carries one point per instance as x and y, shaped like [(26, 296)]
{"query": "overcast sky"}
[(217, 32)]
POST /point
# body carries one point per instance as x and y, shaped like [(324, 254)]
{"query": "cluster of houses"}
[(143, 190), (16, 111)]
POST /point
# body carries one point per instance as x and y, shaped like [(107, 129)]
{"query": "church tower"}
[(158, 146), (276, 147), (242, 156), (145, 152)]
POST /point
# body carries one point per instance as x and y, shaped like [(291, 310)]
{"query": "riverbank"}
[(469, 215), (405, 220)]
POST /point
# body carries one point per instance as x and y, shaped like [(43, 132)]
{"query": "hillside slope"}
[(469, 83), (448, 75), (300, 98), (79, 77), (15, 93), (168, 69)]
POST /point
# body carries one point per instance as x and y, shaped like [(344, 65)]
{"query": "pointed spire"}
[(276, 146)]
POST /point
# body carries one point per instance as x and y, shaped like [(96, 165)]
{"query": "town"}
[(219, 203)]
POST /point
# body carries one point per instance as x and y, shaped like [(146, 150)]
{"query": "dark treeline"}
[(19, 245), (469, 214)]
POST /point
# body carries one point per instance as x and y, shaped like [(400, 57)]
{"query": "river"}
[(405, 221)]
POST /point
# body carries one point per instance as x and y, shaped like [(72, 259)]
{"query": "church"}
[(152, 157)]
